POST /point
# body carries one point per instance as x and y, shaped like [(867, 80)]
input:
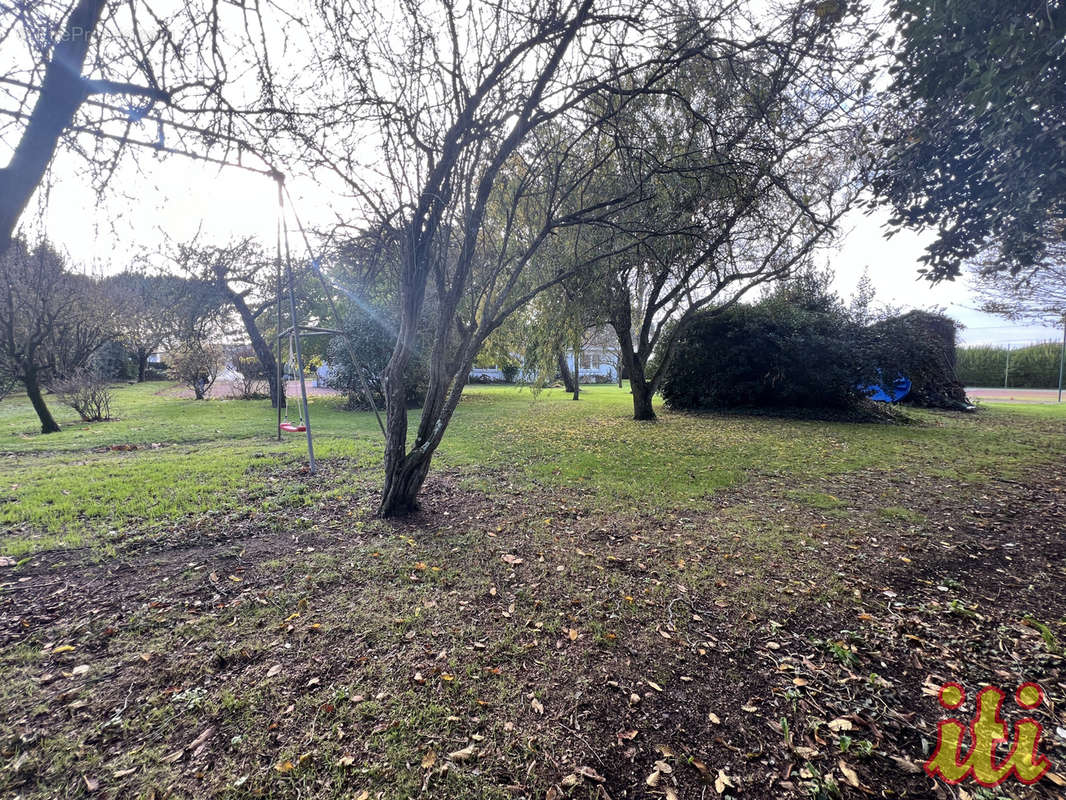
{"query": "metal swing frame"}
[(297, 331)]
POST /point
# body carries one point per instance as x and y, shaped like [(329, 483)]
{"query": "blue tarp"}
[(888, 394)]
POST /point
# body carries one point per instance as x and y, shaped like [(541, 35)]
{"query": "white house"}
[(598, 359)]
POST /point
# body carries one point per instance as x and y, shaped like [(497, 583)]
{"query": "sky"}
[(177, 199), (152, 202)]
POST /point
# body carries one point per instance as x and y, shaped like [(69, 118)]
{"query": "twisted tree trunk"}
[(33, 391)]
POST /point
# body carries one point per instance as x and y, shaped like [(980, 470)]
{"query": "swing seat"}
[(292, 427)]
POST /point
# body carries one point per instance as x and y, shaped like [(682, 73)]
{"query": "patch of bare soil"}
[(782, 642)]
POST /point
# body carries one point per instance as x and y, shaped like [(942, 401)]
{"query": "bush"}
[(795, 349), (373, 340), (196, 365), (921, 346), (87, 392), (253, 381)]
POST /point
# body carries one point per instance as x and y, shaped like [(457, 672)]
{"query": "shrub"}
[(196, 365), (795, 349), (372, 339), (921, 346), (252, 381), (87, 392)]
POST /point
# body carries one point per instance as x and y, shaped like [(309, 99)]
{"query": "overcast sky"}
[(175, 198)]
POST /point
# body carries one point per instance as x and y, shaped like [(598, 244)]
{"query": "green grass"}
[(221, 456)]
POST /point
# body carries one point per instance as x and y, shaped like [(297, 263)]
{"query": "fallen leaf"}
[(840, 724), (537, 705), (514, 561), (345, 761), (654, 686), (285, 766), (906, 766), (723, 782), (429, 759), (91, 784), (465, 754), (714, 718), (849, 774), (203, 737), (591, 774), (653, 779), (63, 648), (274, 670)]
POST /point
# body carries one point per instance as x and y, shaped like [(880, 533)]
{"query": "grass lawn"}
[(706, 606)]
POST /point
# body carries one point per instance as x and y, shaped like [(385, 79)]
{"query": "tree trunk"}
[(263, 352), (402, 485), (577, 374), (642, 389), (142, 364), (642, 397), (62, 92), (564, 371), (33, 391)]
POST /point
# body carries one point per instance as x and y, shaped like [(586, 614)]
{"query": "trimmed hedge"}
[(1033, 367)]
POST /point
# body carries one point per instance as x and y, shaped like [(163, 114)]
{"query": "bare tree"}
[(452, 108), (242, 274), (94, 76), (146, 307), (1036, 293), (51, 321)]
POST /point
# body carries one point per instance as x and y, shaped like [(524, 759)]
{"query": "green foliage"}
[(921, 346), (801, 348), (979, 91), (794, 349), (372, 337), (1034, 367)]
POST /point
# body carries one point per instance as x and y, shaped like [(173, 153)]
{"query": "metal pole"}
[(279, 378), (296, 344), (1062, 355), (338, 320)]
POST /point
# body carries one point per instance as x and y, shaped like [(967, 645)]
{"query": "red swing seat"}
[(292, 427)]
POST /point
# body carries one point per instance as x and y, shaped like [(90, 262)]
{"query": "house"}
[(598, 361)]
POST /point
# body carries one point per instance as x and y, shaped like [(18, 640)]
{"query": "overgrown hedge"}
[(1034, 367), (799, 349)]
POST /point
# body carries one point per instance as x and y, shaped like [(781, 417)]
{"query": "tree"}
[(976, 109), (747, 165), (242, 274), (52, 321), (157, 61), (1036, 293), (459, 107), (146, 306), (196, 364)]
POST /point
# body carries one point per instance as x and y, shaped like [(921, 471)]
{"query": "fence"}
[(1035, 366)]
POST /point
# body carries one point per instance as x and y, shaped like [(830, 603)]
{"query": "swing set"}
[(295, 331)]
